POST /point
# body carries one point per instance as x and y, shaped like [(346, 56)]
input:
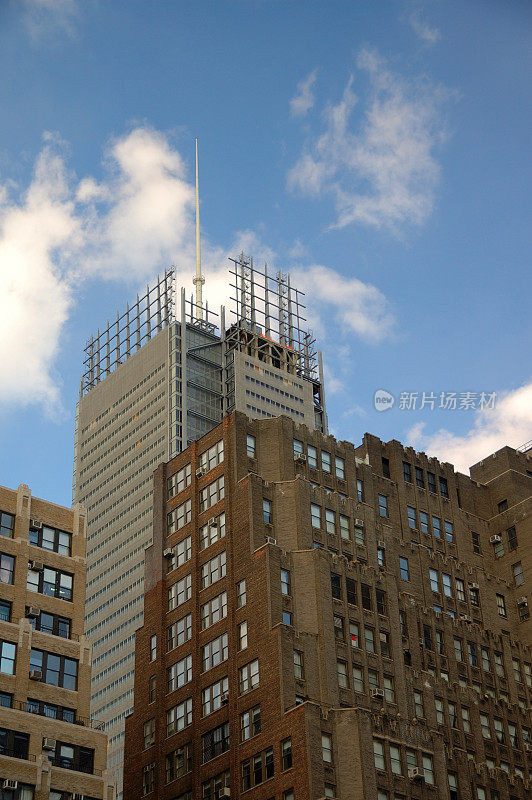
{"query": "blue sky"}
[(378, 151)]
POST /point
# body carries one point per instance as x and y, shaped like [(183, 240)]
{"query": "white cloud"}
[(422, 29), (381, 168), (304, 99), (43, 17), (508, 423)]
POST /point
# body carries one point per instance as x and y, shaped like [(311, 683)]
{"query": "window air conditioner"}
[(465, 617), (224, 698), (35, 675), (9, 784), (35, 524), (48, 744), (168, 552), (496, 538), (377, 693), (200, 472), (473, 585), (37, 566), (300, 458), (523, 601), (359, 522), (381, 544), (225, 792), (33, 612), (213, 522), (416, 774), (271, 540)]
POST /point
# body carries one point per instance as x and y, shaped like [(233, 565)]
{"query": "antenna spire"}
[(198, 279)]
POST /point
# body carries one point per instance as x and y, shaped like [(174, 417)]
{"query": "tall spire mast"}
[(198, 279)]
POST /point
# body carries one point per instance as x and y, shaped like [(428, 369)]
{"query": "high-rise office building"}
[(329, 621), (49, 746), (153, 381)]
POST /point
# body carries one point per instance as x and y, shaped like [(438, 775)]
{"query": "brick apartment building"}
[(324, 620), (48, 746)]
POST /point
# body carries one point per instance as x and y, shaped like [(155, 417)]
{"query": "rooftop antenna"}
[(198, 279)]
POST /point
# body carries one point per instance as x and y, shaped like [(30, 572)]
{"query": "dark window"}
[(386, 467), (286, 754), (407, 472), (51, 623), (502, 506), (427, 637), (51, 582), (431, 481), (50, 710), (512, 538), (5, 611), (55, 670), (381, 601), (71, 756), (215, 742), (7, 524), (52, 539), (336, 586), (7, 568), (444, 491), (267, 511), (365, 594), (419, 478), (475, 539), (351, 591), (6, 700), (13, 743)]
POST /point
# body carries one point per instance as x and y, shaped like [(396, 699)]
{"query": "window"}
[(444, 491), (485, 726), (341, 670), (446, 581), (512, 538), (214, 652), (312, 456), (330, 523), (7, 524), (344, 527), (475, 541), (179, 717), (449, 532), (213, 570), (8, 652), (7, 568), (178, 482), (427, 637), (285, 582), (407, 472), (528, 675), (148, 778), (315, 515), (501, 605), (6, 700), (287, 617), (358, 679), (267, 511), (381, 556), (365, 594), (70, 756), (149, 733), (466, 721), (502, 506), (336, 586), (385, 467), (55, 669), (213, 611), (436, 527), (517, 570), (153, 688), (424, 521), (298, 447), (434, 584), (431, 481), (179, 517), (248, 676), (179, 674), (453, 720), (351, 591), (485, 659), (215, 742), (383, 505), (250, 445), (499, 664), (419, 478), (373, 679), (178, 633), (299, 670), (325, 461), (214, 696), (389, 691), (51, 623), (378, 754), (179, 592), (380, 595), (326, 748), (369, 639), (428, 768), (241, 597), (242, 635), (338, 623), (212, 494), (460, 589), (250, 724), (403, 568), (498, 728), (212, 531), (516, 666), (51, 539), (51, 582), (178, 763), (395, 760), (360, 491), (359, 534), (286, 754), (181, 553), (212, 457), (258, 769), (412, 521), (339, 467), (153, 647), (353, 634), (419, 710)]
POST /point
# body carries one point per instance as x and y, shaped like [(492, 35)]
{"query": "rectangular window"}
[(449, 531), (148, 778), (7, 568), (248, 676), (330, 523), (380, 595), (373, 679), (250, 445), (213, 570), (55, 670), (485, 659), (395, 760), (472, 654), (51, 582), (326, 748), (338, 623), (178, 482), (341, 670), (353, 634), (475, 541), (215, 742), (153, 647), (516, 666), (51, 539), (351, 591), (360, 491), (460, 589), (419, 710), (385, 467), (181, 553), (5, 611), (369, 639), (178, 633), (212, 531), (358, 679), (287, 617), (212, 457), (466, 721), (444, 491), (428, 768), (178, 763), (8, 652), (267, 511), (242, 635), (212, 494), (485, 726), (378, 754), (499, 664), (438, 704), (179, 592), (299, 668), (403, 568), (434, 584), (339, 467), (7, 524), (365, 594), (315, 515), (336, 586), (381, 556), (389, 691), (446, 581), (179, 517), (344, 527), (215, 696), (312, 456), (214, 652), (501, 605), (179, 717), (298, 447), (153, 688), (359, 535), (436, 527), (241, 597), (407, 472), (517, 570), (499, 731), (51, 623), (250, 724), (419, 478), (213, 611), (383, 505), (431, 482), (424, 521), (286, 754), (412, 521), (458, 649), (512, 538), (149, 733), (325, 461)]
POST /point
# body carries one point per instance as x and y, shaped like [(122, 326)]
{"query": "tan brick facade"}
[(393, 644), (48, 744)]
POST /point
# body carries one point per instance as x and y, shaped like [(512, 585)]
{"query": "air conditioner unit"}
[(37, 566), (48, 744), (376, 693), (359, 522), (213, 522), (168, 552), (35, 675), (300, 458), (271, 540), (224, 792), (523, 601), (78, 796), (35, 524), (200, 473), (33, 612), (465, 617), (381, 544), (496, 538), (416, 774), (224, 698), (9, 784), (473, 585)]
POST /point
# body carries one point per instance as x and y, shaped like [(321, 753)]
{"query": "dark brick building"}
[(325, 620)]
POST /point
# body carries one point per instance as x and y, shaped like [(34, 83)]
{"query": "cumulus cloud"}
[(43, 17), (423, 30), (508, 423), (380, 168), (303, 100)]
